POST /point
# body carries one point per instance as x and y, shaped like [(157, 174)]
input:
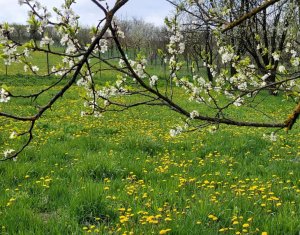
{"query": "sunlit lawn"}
[(124, 174)]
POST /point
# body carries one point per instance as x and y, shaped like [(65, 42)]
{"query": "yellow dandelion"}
[(213, 217), (246, 225), (164, 231)]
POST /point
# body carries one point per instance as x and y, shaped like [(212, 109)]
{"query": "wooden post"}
[(100, 65), (48, 66)]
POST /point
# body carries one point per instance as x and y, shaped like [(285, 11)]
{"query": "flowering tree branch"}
[(77, 70), (220, 93)]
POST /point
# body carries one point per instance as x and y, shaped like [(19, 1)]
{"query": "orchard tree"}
[(265, 37), (225, 92), (142, 37)]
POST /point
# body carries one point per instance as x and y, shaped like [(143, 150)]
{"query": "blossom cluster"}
[(4, 96)]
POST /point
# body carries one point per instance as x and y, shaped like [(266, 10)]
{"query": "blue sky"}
[(152, 11)]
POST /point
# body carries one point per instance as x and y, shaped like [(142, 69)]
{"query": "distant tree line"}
[(141, 37)]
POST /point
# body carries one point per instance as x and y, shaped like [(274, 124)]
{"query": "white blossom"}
[(81, 82), (106, 103), (295, 61), (276, 56), (258, 47), (238, 102), (103, 45), (64, 39), (46, 41), (212, 129), (7, 153), (226, 55), (26, 52), (121, 63), (153, 80), (13, 135), (71, 47), (97, 114), (181, 48), (140, 70), (173, 132), (242, 86), (265, 76), (271, 137), (82, 114), (176, 131), (194, 114), (35, 68), (281, 69), (294, 53), (4, 96)]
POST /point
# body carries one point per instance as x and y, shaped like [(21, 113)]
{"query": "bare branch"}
[(249, 15)]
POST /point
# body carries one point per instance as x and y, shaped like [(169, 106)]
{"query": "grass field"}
[(124, 174)]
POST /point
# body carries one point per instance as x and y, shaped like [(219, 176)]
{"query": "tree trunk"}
[(270, 80)]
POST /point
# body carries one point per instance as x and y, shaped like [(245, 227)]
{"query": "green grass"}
[(123, 173)]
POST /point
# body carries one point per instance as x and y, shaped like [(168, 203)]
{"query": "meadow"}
[(123, 173)]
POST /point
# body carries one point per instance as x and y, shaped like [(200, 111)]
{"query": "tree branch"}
[(249, 15)]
